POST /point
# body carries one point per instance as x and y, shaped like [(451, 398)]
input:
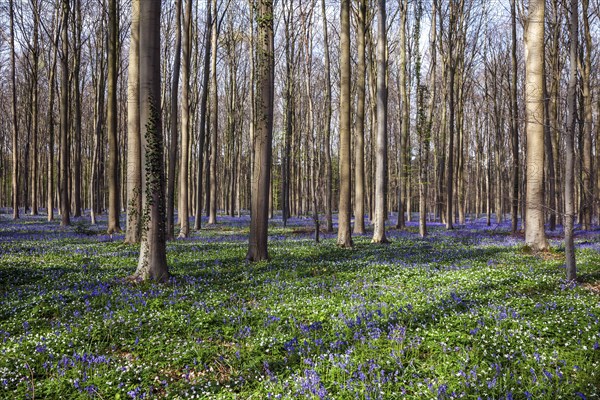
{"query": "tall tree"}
[(35, 106), (134, 161), (570, 142), (327, 130), (111, 121), (535, 236), (344, 238), (152, 263), (185, 122), (15, 119), (359, 143), (51, 96), (203, 109), (261, 170), (514, 121), (174, 125), (586, 150), (64, 121), (404, 115), (214, 122), (382, 99), (77, 123)]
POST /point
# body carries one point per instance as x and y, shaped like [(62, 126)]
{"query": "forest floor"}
[(463, 314)]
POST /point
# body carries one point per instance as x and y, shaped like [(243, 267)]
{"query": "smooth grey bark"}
[(327, 132), (570, 142), (214, 123), (152, 263), (514, 121), (185, 123), (65, 208), (35, 108), (535, 236), (203, 110), (134, 161), (359, 135), (111, 122), (382, 100), (344, 238), (174, 126), (261, 170), (15, 120), (587, 189)]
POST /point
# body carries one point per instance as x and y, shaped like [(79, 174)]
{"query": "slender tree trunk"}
[(404, 120), (64, 122), (359, 149), (35, 108), (185, 124), (134, 161), (15, 127), (327, 133), (535, 236), (570, 143), (587, 189), (77, 110), (514, 121), (111, 121), (152, 263), (51, 96), (257, 246), (203, 103), (214, 117), (379, 229), (344, 229), (174, 127)]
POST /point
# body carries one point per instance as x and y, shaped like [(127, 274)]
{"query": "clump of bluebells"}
[(462, 314)]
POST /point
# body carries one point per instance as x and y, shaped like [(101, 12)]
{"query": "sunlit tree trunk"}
[(152, 263), (359, 125), (111, 121), (134, 161), (344, 238), (327, 132), (587, 189), (185, 122), (35, 108), (514, 121), (382, 98), (261, 170), (535, 236), (174, 126)]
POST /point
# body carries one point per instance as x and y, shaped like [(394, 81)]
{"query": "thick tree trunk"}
[(152, 263), (344, 229), (134, 161), (379, 229), (535, 236), (257, 246)]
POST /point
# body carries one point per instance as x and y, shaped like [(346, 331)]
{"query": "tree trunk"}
[(111, 121), (203, 103), (359, 149), (257, 246), (327, 133), (64, 122), (344, 233), (152, 263), (514, 121), (535, 236), (380, 173), (214, 122), (185, 123), (134, 161), (587, 189), (35, 109), (174, 127), (15, 127), (570, 144)]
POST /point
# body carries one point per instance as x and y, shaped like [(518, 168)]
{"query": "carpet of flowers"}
[(464, 314)]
